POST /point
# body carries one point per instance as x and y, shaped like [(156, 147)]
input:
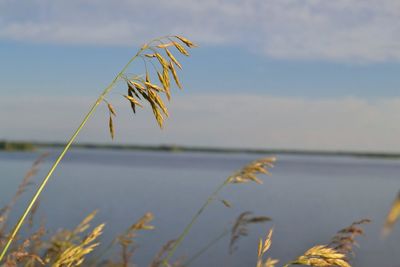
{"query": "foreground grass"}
[(75, 247)]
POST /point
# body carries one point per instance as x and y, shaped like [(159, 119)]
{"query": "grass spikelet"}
[(162, 81), (165, 45), (258, 166), (126, 240), (111, 127), (240, 228), (392, 216), (249, 172), (162, 60), (157, 100), (153, 86), (74, 255), (167, 81), (226, 203), (263, 247), (133, 100), (187, 42), (159, 258), (143, 223), (174, 74), (321, 256), (158, 116), (180, 48), (344, 240), (111, 109), (136, 85), (85, 223), (171, 56), (133, 105)]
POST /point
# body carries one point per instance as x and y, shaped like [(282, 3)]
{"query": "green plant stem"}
[(60, 157), (191, 223)]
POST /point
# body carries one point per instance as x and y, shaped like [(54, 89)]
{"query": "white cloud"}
[(342, 30), (216, 120)]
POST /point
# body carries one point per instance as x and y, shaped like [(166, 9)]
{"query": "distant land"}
[(32, 146)]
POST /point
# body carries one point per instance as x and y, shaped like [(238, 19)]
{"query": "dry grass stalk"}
[(392, 216), (126, 241), (147, 88), (240, 228), (226, 203), (250, 171), (263, 247), (74, 255), (26, 181), (68, 248), (344, 240), (321, 256), (21, 256), (158, 260), (143, 88), (246, 174)]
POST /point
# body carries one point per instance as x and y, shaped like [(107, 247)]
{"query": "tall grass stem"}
[(61, 156)]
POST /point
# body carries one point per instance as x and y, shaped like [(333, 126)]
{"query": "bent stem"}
[(206, 247), (60, 157), (194, 219)]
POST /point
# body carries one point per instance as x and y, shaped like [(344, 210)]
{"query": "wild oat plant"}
[(141, 89), (72, 247)]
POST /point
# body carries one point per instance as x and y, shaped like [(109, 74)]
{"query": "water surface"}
[(308, 198)]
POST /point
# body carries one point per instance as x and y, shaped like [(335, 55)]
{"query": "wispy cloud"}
[(216, 120), (340, 30)]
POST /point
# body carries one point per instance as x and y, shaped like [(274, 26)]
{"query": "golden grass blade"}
[(155, 98), (133, 100), (174, 74), (133, 105), (162, 60), (187, 42), (392, 216), (181, 49), (111, 127), (171, 56), (91, 111), (240, 228), (165, 45), (263, 247), (153, 86), (167, 82), (321, 256), (111, 109), (226, 203), (85, 224), (137, 85), (249, 172)]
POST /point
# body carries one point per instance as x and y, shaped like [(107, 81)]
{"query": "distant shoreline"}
[(32, 146)]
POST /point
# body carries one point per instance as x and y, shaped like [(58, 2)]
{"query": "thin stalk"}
[(192, 221), (206, 247), (60, 157)]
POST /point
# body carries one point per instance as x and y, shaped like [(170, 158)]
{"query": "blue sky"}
[(294, 59)]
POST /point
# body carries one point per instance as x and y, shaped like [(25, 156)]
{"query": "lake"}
[(309, 199)]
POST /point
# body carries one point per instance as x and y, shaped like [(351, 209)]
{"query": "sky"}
[(294, 74)]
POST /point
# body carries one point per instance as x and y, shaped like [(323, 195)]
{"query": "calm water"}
[(309, 199)]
